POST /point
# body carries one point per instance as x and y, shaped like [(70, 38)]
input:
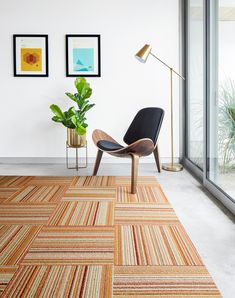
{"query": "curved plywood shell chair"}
[(141, 139)]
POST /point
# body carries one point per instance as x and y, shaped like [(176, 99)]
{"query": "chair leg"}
[(134, 172), (157, 159), (97, 162)]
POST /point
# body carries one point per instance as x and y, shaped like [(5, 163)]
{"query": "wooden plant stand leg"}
[(157, 158), (134, 172), (97, 162)]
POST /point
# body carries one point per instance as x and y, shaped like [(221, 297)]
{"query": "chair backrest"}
[(146, 124)]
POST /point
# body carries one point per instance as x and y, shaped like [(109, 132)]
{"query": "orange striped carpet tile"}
[(144, 214), (34, 214), (62, 281), (6, 274), (14, 241), (163, 281), (86, 194), (144, 194), (83, 214), (6, 193), (154, 245), (38, 194), (146, 181), (50, 180), (14, 181), (93, 181), (72, 245)]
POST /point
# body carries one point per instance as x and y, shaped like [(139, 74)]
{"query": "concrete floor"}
[(209, 225)]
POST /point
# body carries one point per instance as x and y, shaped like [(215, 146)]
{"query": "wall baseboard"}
[(61, 160)]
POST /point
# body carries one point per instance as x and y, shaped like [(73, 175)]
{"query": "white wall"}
[(125, 85)]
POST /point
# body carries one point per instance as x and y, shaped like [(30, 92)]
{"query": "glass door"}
[(195, 81), (221, 97), (210, 95)]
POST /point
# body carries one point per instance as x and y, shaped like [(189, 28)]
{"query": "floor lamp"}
[(142, 56)]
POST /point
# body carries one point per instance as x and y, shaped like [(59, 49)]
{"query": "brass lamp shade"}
[(143, 53)]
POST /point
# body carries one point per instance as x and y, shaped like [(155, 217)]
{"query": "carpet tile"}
[(163, 281), (14, 241), (6, 274), (14, 181), (83, 214), (50, 180), (72, 245), (38, 194), (83, 193), (144, 194), (154, 245), (93, 181), (126, 181), (6, 193), (36, 214), (144, 214), (89, 237), (62, 281)]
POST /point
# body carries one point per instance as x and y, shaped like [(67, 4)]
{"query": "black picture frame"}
[(19, 39), (93, 39)]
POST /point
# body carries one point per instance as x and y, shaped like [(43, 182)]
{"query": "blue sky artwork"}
[(83, 59)]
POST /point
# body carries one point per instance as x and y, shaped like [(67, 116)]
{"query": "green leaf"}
[(87, 93), (74, 120), (79, 84), (88, 107), (81, 130), (71, 112), (69, 124), (57, 119), (57, 111), (71, 96), (83, 88)]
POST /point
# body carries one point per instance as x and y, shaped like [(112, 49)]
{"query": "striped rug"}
[(89, 237)]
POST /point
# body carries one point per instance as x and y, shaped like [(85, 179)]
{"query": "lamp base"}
[(175, 167)]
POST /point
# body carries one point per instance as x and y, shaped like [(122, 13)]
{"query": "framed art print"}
[(83, 55), (30, 55)]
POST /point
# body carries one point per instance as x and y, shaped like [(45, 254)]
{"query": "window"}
[(210, 95), (221, 153), (195, 83)]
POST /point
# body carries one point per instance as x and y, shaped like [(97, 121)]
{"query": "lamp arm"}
[(167, 66), (178, 74)]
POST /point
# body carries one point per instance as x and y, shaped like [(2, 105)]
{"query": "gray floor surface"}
[(209, 225)]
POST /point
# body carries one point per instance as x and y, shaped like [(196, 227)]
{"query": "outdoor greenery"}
[(74, 117), (226, 129)]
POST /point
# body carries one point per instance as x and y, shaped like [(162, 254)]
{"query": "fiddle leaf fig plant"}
[(74, 117)]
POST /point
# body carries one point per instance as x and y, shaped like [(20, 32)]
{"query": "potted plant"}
[(74, 118), (227, 124)]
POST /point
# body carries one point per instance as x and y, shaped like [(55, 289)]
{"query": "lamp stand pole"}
[(173, 167)]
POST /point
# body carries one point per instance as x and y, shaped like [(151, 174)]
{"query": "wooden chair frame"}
[(142, 147)]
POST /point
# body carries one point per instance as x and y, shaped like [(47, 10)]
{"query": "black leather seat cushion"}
[(108, 146)]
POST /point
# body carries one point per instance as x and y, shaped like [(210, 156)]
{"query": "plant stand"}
[(76, 148)]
